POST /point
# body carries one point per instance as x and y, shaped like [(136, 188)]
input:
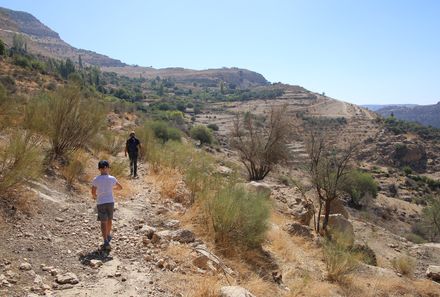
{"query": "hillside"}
[(427, 115), (42, 40), (193, 224)]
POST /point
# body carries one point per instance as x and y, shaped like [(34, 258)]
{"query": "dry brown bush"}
[(20, 160), (261, 143)]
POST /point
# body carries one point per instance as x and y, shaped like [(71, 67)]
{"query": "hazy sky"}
[(375, 51)]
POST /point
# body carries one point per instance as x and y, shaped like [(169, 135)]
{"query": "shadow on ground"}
[(98, 254)]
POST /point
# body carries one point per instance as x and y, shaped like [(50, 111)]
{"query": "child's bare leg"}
[(109, 227), (104, 230)]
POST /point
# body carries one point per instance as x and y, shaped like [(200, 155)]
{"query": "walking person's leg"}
[(104, 230), (135, 159), (131, 164)]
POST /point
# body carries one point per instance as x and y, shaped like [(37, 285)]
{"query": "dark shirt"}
[(132, 145)]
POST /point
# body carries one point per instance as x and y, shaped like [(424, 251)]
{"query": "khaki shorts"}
[(105, 211)]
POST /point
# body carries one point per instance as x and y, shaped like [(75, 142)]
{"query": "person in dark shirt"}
[(132, 148)]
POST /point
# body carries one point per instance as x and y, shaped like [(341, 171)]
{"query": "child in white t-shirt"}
[(102, 191)]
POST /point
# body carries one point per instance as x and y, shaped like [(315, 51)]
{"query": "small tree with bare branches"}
[(261, 142), (328, 165)]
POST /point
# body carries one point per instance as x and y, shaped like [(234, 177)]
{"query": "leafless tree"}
[(261, 142), (328, 164)]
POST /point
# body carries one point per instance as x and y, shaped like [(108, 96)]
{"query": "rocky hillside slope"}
[(424, 114), (42, 40), (46, 42)]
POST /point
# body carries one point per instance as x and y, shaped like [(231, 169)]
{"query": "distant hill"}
[(46, 42), (42, 40), (375, 107), (428, 115)]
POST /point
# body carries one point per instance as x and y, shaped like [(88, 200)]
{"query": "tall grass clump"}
[(118, 168), (404, 265), (339, 257), (239, 217), (67, 117), (75, 167), (20, 160), (109, 142)]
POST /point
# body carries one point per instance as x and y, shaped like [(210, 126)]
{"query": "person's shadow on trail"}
[(98, 254)]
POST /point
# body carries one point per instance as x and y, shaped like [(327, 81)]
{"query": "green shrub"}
[(67, 117), (164, 131), (201, 133), (415, 238), (22, 61), (2, 48), (431, 218), (20, 160), (239, 217), (407, 170), (360, 186), (213, 127)]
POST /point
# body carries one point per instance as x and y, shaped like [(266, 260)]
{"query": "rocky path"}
[(56, 251)]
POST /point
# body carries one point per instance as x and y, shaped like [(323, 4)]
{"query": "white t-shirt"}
[(104, 188)]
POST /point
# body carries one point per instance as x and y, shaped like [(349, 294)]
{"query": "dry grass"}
[(339, 258), (404, 265), (260, 287), (190, 285), (306, 287), (376, 286), (179, 253), (75, 169), (171, 185), (281, 244)]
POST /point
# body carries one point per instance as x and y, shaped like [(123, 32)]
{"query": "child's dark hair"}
[(103, 164)]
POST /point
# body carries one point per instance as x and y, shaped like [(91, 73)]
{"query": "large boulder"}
[(410, 154), (337, 223), (339, 208), (433, 272), (235, 291), (258, 187), (299, 230)]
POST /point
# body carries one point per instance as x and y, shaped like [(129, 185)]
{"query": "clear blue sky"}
[(375, 51)]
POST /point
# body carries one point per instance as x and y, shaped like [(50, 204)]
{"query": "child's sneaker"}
[(106, 246)]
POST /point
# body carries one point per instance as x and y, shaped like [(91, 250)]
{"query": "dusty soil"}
[(64, 235)]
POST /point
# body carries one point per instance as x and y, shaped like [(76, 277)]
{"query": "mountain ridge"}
[(424, 114), (44, 41)]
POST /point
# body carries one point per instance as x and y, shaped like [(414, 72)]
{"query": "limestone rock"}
[(95, 263), (25, 266), (299, 230), (433, 272), (67, 278), (183, 236), (339, 208), (337, 223), (224, 170), (235, 291), (258, 187)]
